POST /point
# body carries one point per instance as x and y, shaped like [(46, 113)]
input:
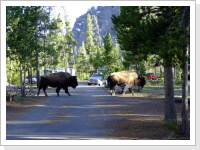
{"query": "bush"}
[(162, 81), (178, 79), (158, 81), (82, 76)]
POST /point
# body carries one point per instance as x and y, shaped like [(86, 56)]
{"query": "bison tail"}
[(108, 81)]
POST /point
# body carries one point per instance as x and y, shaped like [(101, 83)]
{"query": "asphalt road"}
[(80, 116)]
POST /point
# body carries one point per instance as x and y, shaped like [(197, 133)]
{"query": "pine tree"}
[(131, 34), (89, 44), (108, 47), (21, 25), (144, 31), (82, 62), (28, 32), (97, 37), (111, 56), (181, 30), (98, 60)]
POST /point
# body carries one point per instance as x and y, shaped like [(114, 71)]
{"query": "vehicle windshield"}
[(149, 73), (96, 75)]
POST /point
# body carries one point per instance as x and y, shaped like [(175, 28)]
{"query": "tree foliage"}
[(90, 44), (155, 30), (111, 56), (34, 40)]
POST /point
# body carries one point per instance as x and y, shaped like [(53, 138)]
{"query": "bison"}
[(126, 80), (58, 80)]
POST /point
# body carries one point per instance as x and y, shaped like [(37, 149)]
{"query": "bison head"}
[(73, 82), (142, 80)]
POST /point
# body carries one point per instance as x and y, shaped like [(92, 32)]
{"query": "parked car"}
[(95, 79), (152, 76), (34, 79)]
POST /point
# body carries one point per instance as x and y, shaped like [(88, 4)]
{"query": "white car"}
[(34, 79), (95, 79)]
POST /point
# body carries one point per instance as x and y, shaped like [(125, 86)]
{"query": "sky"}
[(73, 12)]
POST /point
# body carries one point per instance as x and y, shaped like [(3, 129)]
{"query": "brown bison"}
[(126, 80), (59, 80)]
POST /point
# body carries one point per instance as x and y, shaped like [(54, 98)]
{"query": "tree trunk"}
[(37, 69), (170, 110), (10, 78), (31, 73), (185, 122), (185, 21), (22, 79), (161, 73), (37, 62)]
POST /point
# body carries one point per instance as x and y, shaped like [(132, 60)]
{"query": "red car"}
[(152, 76)]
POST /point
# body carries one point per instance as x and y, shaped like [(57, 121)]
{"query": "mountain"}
[(102, 25)]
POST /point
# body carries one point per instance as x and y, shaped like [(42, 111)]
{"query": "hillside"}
[(102, 26)]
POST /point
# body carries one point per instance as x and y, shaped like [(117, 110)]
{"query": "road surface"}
[(77, 117)]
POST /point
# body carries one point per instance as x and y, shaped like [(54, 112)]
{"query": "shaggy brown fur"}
[(125, 79), (59, 80)]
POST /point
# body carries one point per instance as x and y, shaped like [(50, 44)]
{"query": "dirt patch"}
[(141, 119), (19, 107)]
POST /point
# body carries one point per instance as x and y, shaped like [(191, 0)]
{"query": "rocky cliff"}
[(102, 25)]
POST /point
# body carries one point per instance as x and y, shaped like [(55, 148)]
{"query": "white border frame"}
[(98, 142)]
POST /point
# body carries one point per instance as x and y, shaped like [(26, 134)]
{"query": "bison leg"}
[(39, 91), (125, 89), (44, 89), (112, 91), (138, 89), (112, 88), (131, 90), (66, 91), (58, 90)]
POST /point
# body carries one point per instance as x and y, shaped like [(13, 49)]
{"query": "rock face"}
[(102, 25)]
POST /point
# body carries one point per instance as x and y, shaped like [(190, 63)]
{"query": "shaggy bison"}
[(59, 80), (126, 80)]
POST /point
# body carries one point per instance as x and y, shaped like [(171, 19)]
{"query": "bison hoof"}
[(113, 94)]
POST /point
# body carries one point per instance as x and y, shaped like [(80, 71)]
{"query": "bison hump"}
[(56, 79)]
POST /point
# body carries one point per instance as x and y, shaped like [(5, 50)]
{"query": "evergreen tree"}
[(98, 61), (146, 30), (180, 29), (97, 37), (82, 62), (117, 59), (89, 44), (28, 39), (108, 47), (111, 56), (130, 33), (21, 25)]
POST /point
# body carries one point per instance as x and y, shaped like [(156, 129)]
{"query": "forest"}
[(156, 35)]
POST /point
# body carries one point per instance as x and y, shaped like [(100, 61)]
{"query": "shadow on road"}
[(90, 114)]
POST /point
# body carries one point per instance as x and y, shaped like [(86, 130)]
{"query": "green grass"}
[(154, 91)]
